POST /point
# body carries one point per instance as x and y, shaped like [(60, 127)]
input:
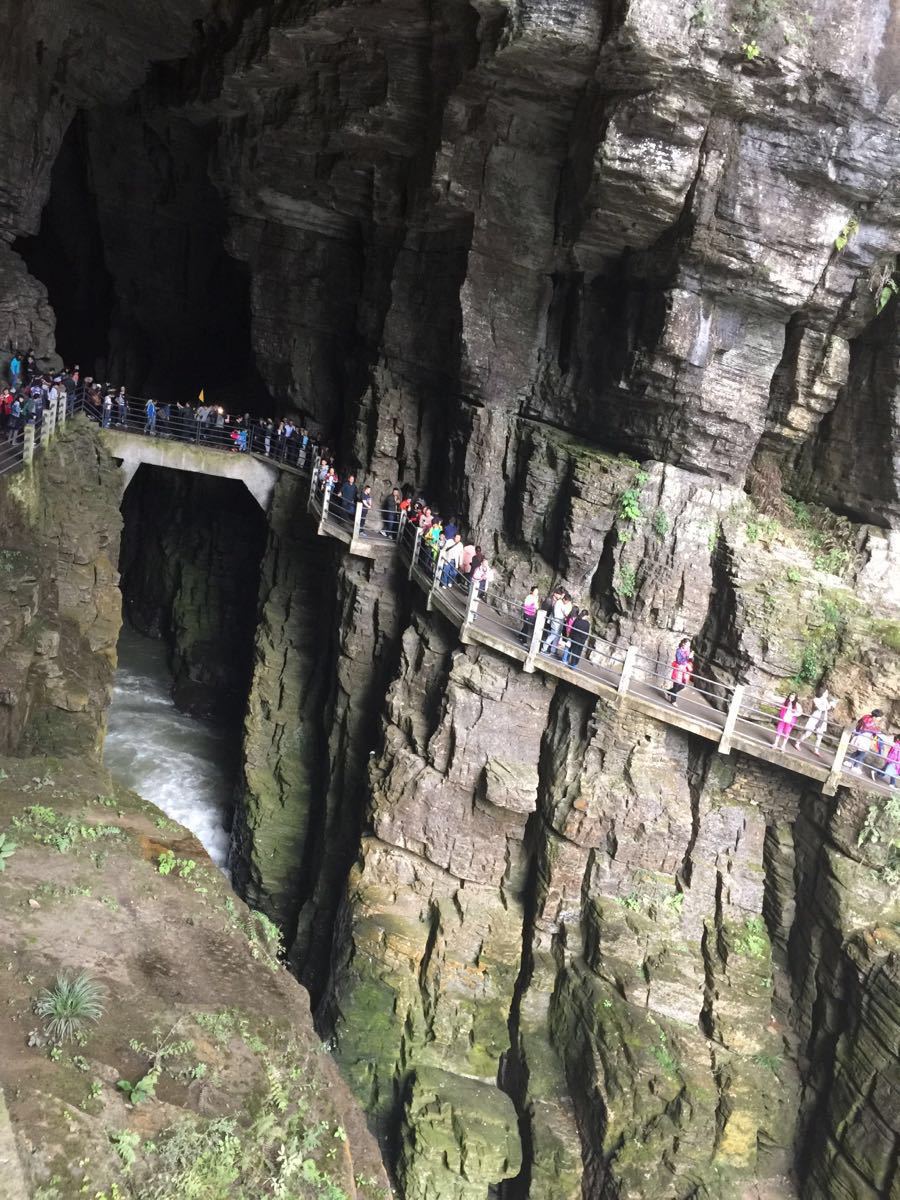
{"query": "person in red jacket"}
[(866, 728)]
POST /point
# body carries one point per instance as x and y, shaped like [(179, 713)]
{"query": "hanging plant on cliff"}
[(886, 293)]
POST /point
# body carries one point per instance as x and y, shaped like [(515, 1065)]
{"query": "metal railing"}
[(724, 712)]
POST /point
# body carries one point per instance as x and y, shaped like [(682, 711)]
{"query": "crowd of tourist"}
[(29, 391)]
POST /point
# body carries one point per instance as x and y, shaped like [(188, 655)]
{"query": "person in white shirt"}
[(452, 557), (817, 721), (558, 615)]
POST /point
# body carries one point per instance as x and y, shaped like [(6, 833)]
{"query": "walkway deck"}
[(729, 715)]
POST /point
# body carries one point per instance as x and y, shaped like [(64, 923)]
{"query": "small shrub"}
[(7, 850), (143, 1089), (627, 581), (660, 523), (630, 505), (70, 1005)]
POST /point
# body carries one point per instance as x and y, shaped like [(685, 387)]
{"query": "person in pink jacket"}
[(891, 768), (788, 715)]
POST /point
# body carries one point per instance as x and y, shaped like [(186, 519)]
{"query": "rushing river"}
[(179, 763)]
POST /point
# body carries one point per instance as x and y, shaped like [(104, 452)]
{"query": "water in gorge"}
[(179, 763)]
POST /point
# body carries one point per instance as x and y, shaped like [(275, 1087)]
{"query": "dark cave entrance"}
[(132, 250), (192, 546)]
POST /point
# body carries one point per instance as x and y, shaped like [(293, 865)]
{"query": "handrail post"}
[(49, 422), (627, 670), (62, 408), (28, 445), (417, 543), (401, 525), (312, 486), (540, 620), (471, 608), (830, 786), (357, 520), (326, 500), (734, 710)]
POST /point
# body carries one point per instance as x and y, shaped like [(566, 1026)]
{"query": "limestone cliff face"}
[(61, 608), (535, 257)]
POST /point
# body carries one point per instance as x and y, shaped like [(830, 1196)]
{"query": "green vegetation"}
[(889, 634), (826, 625), (142, 1089), (627, 581), (664, 1056), (279, 1152), (760, 528), (887, 293), (125, 1143), (660, 523), (167, 863), (882, 828), (7, 850), (851, 227), (770, 1061), (629, 510), (48, 828), (70, 1005), (753, 939)]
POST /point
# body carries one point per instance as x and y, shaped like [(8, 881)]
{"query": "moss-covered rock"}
[(459, 1138)]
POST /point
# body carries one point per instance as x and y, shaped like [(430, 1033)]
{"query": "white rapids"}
[(177, 762)]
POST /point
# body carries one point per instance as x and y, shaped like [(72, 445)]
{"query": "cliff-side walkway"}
[(728, 714)]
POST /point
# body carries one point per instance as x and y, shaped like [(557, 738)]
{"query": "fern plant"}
[(70, 1005)]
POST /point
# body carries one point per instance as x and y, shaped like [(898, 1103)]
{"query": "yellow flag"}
[(200, 397)]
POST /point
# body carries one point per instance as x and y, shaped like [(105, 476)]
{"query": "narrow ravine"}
[(181, 764)]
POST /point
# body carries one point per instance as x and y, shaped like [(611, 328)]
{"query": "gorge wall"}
[(533, 258)]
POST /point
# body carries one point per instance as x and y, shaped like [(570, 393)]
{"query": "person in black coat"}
[(578, 636)]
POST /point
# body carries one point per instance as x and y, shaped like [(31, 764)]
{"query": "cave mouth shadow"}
[(131, 249)]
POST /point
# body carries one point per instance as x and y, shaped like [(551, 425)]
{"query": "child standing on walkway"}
[(788, 715)]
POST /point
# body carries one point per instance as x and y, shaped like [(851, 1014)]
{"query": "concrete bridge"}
[(131, 449)]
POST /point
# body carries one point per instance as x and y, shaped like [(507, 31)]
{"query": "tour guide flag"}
[(200, 397)]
